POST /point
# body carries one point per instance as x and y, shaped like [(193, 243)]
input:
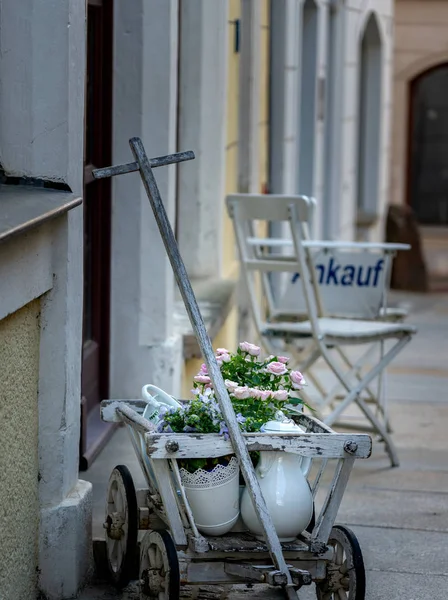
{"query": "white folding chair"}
[(322, 333), (366, 301)]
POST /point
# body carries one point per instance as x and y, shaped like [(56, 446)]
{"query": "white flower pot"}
[(285, 489), (214, 497)]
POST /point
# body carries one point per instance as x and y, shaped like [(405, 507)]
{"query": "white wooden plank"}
[(313, 445), (319, 474), (188, 510), (328, 244), (330, 508), (214, 572), (121, 411), (108, 407), (164, 485), (312, 424)]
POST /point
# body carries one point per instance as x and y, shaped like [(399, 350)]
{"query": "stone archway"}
[(427, 190)]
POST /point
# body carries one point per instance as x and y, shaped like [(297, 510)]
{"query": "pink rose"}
[(241, 392), (254, 393), (250, 348), (280, 395), (276, 368), (283, 359), (222, 351), (230, 385), (265, 395), (225, 357), (297, 379), (202, 379), (203, 370)]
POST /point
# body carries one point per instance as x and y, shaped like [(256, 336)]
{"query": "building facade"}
[(419, 172), (46, 509), (284, 96)]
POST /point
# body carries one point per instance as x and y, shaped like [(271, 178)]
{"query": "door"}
[(428, 147), (97, 229)]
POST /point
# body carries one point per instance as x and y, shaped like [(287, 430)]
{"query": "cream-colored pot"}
[(214, 497), (284, 487)]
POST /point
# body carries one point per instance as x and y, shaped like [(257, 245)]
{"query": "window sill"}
[(216, 299), (25, 207)]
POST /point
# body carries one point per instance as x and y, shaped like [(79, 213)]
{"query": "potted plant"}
[(211, 484), (260, 390)]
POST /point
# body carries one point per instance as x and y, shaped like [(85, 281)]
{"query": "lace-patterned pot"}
[(214, 497)]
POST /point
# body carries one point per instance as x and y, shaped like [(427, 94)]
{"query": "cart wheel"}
[(159, 567), (121, 526), (346, 577)]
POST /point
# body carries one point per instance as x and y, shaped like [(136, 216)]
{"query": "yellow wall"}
[(19, 371)]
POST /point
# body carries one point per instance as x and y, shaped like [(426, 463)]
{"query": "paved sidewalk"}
[(400, 515)]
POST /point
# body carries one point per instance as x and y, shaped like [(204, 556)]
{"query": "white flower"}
[(250, 348), (242, 392), (230, 385)]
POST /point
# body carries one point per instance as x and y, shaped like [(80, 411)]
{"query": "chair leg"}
[(378, 399), (382, 430), (354, 393), (332, 395)]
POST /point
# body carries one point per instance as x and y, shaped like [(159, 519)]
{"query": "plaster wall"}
[(356, 18), (336, 77), (42, 81), (144, 346), (45, 263), (42, 54), (19, 498), (202, 128)]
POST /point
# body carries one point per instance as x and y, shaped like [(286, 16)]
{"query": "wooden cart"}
[(172, 551)]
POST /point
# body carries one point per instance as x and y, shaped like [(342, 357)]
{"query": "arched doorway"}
[(428, 146), (369, 121)]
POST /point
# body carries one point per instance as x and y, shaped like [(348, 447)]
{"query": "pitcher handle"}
[(157, 395)]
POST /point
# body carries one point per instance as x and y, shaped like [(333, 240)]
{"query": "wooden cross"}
[(144, 165)]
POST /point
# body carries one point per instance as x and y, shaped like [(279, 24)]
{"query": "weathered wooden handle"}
[(160, 161)]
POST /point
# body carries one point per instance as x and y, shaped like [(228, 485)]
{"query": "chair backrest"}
[(248, 212), (341, 279)]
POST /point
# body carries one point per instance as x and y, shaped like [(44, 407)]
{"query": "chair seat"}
[(343, 329)]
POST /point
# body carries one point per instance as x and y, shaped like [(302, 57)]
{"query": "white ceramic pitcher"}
[(285, 489)]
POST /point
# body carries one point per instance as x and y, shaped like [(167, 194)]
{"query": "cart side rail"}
[(212, 445)]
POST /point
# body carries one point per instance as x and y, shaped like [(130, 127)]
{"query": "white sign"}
[(351, 284)]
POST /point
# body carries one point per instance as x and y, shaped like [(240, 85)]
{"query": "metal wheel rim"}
[(345, 584), (116, 511), (154, 559)]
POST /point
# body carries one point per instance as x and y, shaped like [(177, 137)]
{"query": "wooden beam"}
[(313, 445)]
